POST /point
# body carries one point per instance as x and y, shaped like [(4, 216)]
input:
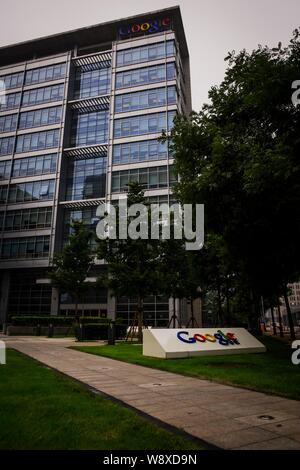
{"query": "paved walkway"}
[(227, 417)]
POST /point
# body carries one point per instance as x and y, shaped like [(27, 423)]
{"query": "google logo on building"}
[(148, 27), (220, 337)]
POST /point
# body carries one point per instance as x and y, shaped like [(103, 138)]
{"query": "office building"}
[(81, 117)]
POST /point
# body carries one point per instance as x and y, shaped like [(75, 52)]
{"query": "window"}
[(8, 123), (145, 53), (149, 178), (33, 191), (91, 82), (155, 73), (41, 165), (40, 117), (86, 179), (11, 101), (44, 74), (145, 124), (89, 128), (25, 247), (6, 146), (5, 168), (37, 141), (156, 310), (43, 95), (134, 152), (153, 98), (13, 80), (27, 219)]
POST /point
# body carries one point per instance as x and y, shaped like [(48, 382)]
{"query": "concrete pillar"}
[(54, 301), (111, 305), (4, 289)]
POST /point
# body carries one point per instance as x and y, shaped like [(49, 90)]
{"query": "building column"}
[(54, 301), (111, 305), (4, 289)]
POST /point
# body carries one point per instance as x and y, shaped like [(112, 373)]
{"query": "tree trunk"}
[(279, 319), (289, 314), (254, 317), (140, 311), (273, 321), (228, 317), (174, 314), (77, 315), (220, 313)]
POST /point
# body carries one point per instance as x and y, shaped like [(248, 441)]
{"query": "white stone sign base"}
[(185, 342)]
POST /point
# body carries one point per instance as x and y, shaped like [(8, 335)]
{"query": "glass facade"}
[(149, 178), (8, 123), (91, 82), (40, 117), (153, 98), (45, 74), (43, 95), (89, 128), (32, 166), (5, 169), (27, 219), (86, 179), (156, 310), (13, 80), (3, 193), (142, 151), (144, 124), (147, 53), (28, 297), (146, 75), (6, 145), (31, 191), (37, 141), (25, 247)]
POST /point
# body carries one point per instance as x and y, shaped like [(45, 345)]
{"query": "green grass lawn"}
[(271, 372), (41, 409)]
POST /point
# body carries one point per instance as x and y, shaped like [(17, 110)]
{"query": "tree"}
[(132, 264), (240, 157), (71, 266)]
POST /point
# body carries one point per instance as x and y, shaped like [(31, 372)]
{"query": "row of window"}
[(31, 166), (37, 141), (144, 124), (145, 99), (27, 192), (145, 75), (13, 80), (30, 142), (27, 247), (156, 51), (89, 128), (142, 151), (6, 145), (33, 97), (26, 219), (91, 82), (8, 123), (86, 179), (39, 117), (45, 74), (39, 75), (149, 178)]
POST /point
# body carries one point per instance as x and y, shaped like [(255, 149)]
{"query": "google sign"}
[(148, 27), (222, 339), (171, 343)]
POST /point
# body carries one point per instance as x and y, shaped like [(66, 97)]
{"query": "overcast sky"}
[(213, 27)]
